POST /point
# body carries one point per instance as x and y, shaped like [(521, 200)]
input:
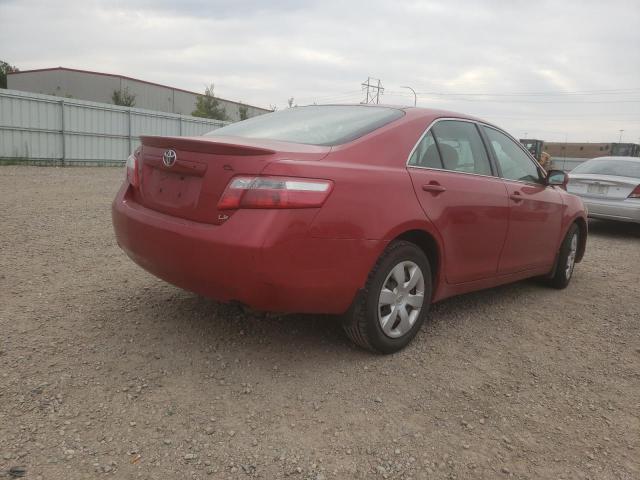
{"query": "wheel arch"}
[(583, 229), (427, 244), (430, 244)]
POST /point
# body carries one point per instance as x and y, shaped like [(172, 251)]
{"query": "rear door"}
[(454, 182), (535, 216)]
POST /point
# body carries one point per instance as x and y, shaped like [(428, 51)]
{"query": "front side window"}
[(314, 125), (461, 148), (514, 163)]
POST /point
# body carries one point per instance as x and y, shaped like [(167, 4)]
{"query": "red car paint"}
[(484, 230)]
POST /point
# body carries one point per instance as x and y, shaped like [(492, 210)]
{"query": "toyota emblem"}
[(169, 158)]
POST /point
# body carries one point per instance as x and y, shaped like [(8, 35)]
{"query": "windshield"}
[(610, 166), (314, 125)]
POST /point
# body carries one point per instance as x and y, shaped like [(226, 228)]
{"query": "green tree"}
[(123, 98), (4, 69), (208, 106), (243, 110)]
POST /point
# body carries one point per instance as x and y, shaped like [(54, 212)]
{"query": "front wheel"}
[(566, 259), (388, 312)]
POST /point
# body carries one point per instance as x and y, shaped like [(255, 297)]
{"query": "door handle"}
[(434, 188), (516, 197)]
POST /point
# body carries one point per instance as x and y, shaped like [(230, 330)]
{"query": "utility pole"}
[(373, 90), (415, 97)]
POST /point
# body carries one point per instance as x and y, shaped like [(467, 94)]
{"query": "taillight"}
[(274, 192), (133, 176), (635, 193)]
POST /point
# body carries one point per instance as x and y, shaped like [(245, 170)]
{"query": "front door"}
[(535, 217)]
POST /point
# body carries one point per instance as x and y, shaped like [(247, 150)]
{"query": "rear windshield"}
[(313, 125), (609, 166)]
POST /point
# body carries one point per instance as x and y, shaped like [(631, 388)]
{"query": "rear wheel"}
[(388, 312), (566, 258)]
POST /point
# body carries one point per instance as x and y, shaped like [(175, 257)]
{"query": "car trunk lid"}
[(601, 186), (189, 185)]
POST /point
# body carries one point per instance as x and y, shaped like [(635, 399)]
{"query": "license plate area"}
[(597, 189), (173, 190)]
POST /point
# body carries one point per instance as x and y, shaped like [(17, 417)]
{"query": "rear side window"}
[(461, 147), (452, 145), (514, 163), (314, 125), (426, 154)]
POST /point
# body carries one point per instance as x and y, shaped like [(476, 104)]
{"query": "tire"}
[(566, 261), (385, 322)]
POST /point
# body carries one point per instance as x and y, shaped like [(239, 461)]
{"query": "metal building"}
[(592, 150), (566, 156), (99, 87)]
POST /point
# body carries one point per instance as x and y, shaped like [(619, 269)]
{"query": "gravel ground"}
[(107, 372)]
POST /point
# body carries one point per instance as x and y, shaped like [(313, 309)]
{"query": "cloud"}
[(265, 52)]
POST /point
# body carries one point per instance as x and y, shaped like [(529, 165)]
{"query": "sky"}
[(561, 70)]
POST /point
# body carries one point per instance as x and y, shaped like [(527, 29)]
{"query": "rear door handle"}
[(433, 188), (516, 197)]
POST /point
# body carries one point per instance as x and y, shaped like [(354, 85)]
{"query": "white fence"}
[(63, 131)]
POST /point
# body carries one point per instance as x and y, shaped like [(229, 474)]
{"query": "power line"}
[(350, 93), (581, 115), (334, 100), (617, 91), (551, 101), (373, 95), (491, 100)]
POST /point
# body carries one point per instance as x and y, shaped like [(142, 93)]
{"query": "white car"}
[(609, 187)]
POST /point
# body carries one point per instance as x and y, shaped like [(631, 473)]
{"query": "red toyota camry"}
[(372, 212)]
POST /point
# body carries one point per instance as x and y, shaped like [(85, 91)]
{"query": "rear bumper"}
[(621, 210), (262, 258)]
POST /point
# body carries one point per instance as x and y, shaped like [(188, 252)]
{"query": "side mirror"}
[(557, 177)]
